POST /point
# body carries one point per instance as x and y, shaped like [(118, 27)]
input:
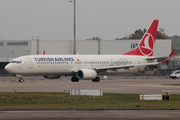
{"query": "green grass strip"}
[(172, 84), (64, 101)]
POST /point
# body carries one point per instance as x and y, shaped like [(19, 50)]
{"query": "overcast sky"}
[(108, 19)]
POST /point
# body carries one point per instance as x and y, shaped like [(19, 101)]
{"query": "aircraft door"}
[(30, 63), (92, 64), (111, 62)]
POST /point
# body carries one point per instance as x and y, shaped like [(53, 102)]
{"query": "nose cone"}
[(9, 68)]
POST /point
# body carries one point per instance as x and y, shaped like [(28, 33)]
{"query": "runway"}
[(115, 85), (124, 84), (92, 115)]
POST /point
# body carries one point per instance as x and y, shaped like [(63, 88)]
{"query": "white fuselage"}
[(67, 64)]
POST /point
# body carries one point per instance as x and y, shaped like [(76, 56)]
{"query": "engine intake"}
[(86, 74)]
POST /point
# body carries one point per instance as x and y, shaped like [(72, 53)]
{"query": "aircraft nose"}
[(9, 68)]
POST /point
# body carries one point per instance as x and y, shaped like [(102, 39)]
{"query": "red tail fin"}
[(146, 45)]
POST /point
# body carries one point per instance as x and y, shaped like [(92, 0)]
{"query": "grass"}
[(64, 101), (172, 84)]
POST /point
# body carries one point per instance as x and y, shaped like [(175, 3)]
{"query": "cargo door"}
[(138, 60)]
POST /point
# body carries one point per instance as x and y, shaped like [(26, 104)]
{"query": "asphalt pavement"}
[(125, 84)]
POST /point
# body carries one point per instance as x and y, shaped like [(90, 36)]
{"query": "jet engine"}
[(52, 77), (86, 74)]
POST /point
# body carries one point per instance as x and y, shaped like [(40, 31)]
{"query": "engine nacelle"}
[(52, 77), (86, 74)]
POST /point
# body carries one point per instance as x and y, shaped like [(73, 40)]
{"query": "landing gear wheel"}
[(75, 79), (21, 80), (97, 79)]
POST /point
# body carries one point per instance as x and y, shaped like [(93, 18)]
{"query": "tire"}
[(97, 79), (21, 80), (74, 79)]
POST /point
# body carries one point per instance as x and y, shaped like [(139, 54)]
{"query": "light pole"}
[(74, 26)]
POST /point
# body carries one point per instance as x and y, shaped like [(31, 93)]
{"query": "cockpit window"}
[(18, 62), (177, 72)]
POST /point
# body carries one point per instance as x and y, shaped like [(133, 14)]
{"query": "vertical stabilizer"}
[(146, 45)]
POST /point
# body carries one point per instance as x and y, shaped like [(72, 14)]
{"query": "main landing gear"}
[(76, 79), (97, 79)]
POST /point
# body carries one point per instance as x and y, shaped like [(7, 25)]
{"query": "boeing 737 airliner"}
[(87, 66)]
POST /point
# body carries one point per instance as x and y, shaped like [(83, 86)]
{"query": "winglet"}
[(44, 52), (168, 58)]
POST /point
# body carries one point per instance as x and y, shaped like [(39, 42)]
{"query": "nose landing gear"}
[(21, 79)]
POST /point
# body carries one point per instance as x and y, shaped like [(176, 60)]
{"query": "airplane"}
[(82, 67)]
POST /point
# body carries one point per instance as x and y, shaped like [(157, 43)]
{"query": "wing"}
[(123, 66), (127, 67)]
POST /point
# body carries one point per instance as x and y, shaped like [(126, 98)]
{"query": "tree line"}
[(138, 34)]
